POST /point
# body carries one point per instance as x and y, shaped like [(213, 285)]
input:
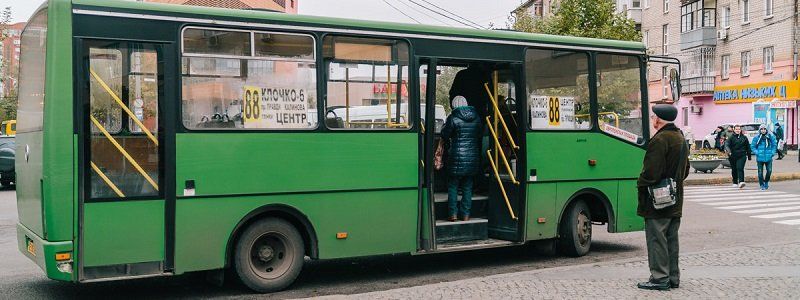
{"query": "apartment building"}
[(738, 61), (9, 57)]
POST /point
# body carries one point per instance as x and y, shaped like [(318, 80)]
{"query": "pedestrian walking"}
[(462, 131), (719, 133), (738, 149), (781, 141), (764, 146), (665, 166)]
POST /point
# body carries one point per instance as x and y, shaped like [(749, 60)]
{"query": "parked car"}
[(750, 130), (7, 154)]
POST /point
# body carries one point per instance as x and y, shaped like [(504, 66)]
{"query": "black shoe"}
[(649, 285), (674, 285)]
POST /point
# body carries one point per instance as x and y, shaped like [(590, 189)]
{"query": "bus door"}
[(496, 206), (123, 211)]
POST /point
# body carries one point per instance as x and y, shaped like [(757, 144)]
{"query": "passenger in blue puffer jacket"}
[(764, 146), (463, 131)]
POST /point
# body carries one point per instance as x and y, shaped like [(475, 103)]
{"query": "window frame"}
[(591, 80), (664, 39), (744, 69), (769, 9), (725, 22), (323, 75), (725, 69), (744, 6), (315, 61), (769, 65), (666, 6)]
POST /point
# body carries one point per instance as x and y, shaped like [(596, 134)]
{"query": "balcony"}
[(698, 85), (700, 37)]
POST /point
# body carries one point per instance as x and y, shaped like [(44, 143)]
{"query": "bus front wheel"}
[(575, 230), (269, 255)]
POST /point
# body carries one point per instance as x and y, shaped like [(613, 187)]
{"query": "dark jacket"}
[(717, 138), (737, 146), (661, 162), (778, 133), (462, 131)]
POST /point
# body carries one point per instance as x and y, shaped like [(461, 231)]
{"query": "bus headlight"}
[(65, 267)]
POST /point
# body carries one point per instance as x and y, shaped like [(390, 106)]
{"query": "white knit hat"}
[(459, 101)]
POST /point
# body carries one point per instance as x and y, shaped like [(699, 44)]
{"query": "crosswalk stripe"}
[(743, 191), (779, 215), (792, 202), (744, 202), (709, 200), (788, 222), (712, 187), (766, 210)]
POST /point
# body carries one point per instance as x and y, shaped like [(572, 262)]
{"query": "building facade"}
[(544, 8), (287, 6), (9, 56), (738, 58)]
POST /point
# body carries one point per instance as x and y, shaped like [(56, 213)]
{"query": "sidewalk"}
[(786, 169), (757, 272)]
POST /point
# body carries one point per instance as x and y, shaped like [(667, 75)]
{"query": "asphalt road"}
[(702, 228)]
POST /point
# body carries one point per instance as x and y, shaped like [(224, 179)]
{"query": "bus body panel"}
[(376, 222), (558, 169), (123, 232), (43, 252)]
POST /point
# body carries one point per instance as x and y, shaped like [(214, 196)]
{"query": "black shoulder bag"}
[(665, 193)]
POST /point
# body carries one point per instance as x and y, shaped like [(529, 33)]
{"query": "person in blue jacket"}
[(764, 146), (463, 132)]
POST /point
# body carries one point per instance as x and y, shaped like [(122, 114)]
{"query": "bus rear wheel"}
[(269, 255), (575, 230)]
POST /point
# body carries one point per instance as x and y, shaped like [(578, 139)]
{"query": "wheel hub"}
[(584, 228), (265, 253)]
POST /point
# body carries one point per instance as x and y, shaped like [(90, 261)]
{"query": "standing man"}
[(663, 160), (738, 149), (779, 137), (763, 146)]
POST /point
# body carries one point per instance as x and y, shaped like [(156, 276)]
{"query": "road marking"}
[(780, 215), (754, 203), (792, 202), (746, 202), (789, 222), (767, 197), (765, 210)]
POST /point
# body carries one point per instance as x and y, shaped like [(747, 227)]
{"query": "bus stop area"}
[(752, 272), (786, 169)]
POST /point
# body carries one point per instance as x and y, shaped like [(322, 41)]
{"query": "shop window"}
[(557, 90), (367, 83)]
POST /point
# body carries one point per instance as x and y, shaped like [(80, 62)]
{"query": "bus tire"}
[(575, 230), (269, 255)]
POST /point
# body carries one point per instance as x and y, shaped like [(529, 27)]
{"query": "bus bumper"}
[(44, 254)]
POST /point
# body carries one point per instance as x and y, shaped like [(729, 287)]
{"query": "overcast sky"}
[(480, 12)]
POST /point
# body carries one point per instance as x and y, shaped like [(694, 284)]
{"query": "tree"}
[(8, 101), (583, 18)]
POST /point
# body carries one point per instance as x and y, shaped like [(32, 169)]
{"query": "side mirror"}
[(675, 84)]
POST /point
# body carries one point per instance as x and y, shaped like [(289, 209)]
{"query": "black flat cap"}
[(665, 112)]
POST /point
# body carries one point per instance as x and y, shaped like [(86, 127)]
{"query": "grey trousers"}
[(662, 249)]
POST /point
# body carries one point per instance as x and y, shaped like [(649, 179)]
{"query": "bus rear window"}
[(32, 74)]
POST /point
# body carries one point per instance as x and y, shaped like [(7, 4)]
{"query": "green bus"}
[(158, 140)]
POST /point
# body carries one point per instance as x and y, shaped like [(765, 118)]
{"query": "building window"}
[(745, 68), (726, 17), (726, 67), (665, 39), (666, 6), (646, 3), (664, 82), (646, 38), (769, 8), (636, 4), (769, 57), (745, 8)]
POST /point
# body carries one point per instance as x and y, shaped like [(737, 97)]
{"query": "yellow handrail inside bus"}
[(502, 155), (502, 121), (124, 153), (106, 180), (123, 106), (500, 183)]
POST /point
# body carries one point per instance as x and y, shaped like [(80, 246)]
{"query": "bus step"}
[(460, 231)]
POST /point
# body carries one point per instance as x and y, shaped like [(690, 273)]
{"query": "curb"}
[(751, 178)]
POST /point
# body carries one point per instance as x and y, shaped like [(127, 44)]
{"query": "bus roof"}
[(436, 31)]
